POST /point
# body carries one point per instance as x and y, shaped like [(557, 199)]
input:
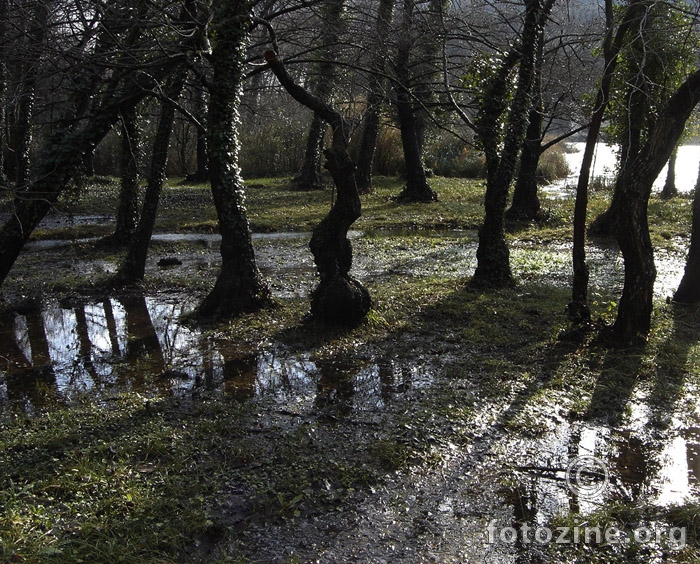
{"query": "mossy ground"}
[(138, 477)]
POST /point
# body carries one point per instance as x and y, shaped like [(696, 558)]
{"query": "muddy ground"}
[(448, 412)]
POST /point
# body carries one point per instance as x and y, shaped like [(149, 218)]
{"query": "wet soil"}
[(467, 430)]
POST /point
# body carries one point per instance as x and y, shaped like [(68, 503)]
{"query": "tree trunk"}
[(375, 98), (133, 268), (689, 289), (631, 228), (21, 135), (128, 206), (493, 257), (368, 144), (526, 202), (417, 188), (4, 17), (309, 177), (670, 190), (339, 298), (611, 49), (200, 107), (239, 287)]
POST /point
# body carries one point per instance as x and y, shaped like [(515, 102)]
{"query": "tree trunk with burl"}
[(339, 298)]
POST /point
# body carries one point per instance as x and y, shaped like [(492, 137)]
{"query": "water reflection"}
[(56, 351)]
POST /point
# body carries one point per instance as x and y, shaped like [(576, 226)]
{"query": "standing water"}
[(605, 167)]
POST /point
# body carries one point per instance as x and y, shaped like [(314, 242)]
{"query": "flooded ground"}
[(605, 165), (496, 433)]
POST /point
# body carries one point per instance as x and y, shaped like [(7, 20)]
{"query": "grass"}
[(142, 478)]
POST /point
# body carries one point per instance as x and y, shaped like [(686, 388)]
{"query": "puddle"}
[(617, 463), (60, 351)]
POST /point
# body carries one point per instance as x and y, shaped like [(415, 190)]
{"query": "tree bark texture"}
[(133, 267), (339, 298), (611, 49), (689, 288), (493, 257), (632, 193), (128, 206), (417, 188), (239, 287)]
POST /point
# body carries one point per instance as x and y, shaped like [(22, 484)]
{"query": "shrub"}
[(552, 165), (447, 155), (388, 154)]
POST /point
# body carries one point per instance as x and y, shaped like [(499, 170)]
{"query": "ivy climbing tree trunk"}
[(493, 256), (339, 298), (526, 202), (689, 289), (239, 287)]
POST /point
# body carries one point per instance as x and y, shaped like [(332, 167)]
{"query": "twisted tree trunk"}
[(339, 298)]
